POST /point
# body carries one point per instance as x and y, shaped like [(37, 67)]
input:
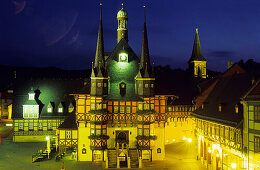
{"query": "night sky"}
[(63, 33)]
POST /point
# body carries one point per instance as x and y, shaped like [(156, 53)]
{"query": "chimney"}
[(230, 63)]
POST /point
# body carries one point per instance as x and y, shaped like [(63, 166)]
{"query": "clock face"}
[(123, 57)]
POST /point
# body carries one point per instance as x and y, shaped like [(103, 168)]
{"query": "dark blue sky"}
[(63, 33)]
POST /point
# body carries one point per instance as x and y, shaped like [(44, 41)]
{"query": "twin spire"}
[(99, 58), (145, 58)]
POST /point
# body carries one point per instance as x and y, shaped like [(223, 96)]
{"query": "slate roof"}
[(254, 93), (46, 91), (196, 52), (227, 93), (70, 122)]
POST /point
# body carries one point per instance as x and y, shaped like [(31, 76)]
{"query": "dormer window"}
[(49, 110), (50, 107), (31, 94), (219, 108), (60, 108), (71, 108)]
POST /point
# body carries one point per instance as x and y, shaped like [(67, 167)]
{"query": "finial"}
[(144, 13), (100, 4), (122, 5)]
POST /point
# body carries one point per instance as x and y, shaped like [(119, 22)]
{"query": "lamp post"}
[(48, 146)]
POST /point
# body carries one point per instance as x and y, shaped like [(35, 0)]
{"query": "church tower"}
[(122, 18), (197, 63), (99, 77), (145, 78)]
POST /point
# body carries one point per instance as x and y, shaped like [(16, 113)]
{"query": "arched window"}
[(122, 89)]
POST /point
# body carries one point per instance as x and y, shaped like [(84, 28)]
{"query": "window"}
[(92, 106), (93, 84), (140, 85), (122, 109), (31, 96), (146, 132), (146, 85), (92, 131), (68, 134), (257, 113), (49, 110), (257, 144), (140, 132), (219, 108), (99, 84), (128, 109), (40, 127), (152, 85), (236, 108), (140, 106), (20, 126), (98, 132), (49, 125), (146, 106), (104, 131), (30, 125), (123, 57), (60, 110), (116, 109)]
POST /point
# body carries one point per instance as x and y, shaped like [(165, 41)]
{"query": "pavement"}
[(13, 156)]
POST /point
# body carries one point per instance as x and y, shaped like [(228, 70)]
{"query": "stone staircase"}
[(112, 158), (133, 154)]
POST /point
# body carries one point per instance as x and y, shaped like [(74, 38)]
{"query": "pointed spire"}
[(92, 71), (146, 73), (100, 44), (145, 59), (196, 52)]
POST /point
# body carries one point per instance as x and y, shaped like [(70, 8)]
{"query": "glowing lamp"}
[(233, 165), (217, 155), (47, 138), (189, 140), (123, 57), (184, 138), (173, 140), (167, 141)]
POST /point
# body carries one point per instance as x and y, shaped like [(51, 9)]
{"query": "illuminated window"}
[(146, 106), (49, 125), (152, 85), (99, 84), (257, 113), (219, 108), (123, 57), (146, 85), (31, 96), (105, 84), (98, 132), (92, 131), (236, 108), (49, 110), (128, 109), (68, 134), (122, 109), (40, 126), (140, 85), (116, 109), (140, 132), (140, 106), (99, 106), (20, 126), (92, 106), (60, 110), (257, 144), (30, 125), (146, 132)]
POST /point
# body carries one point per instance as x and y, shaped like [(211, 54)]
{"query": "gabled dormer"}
[(50, 107), (60, 108), (31, 107), (71, 108)]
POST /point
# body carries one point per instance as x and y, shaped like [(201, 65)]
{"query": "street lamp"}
[(189, 140), (233, 165), (48, 146)]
